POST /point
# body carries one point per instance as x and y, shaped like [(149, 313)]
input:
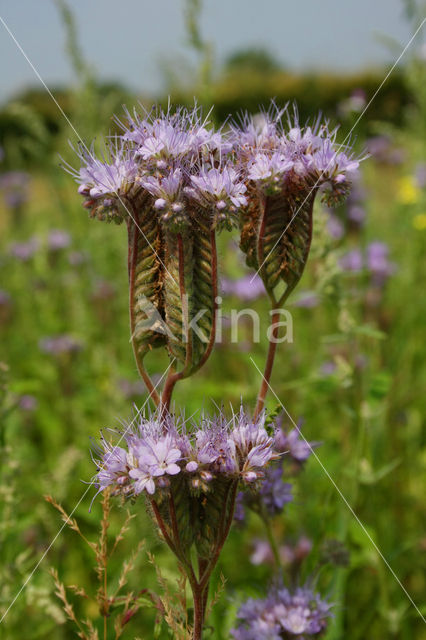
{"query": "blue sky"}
[(127, 40)]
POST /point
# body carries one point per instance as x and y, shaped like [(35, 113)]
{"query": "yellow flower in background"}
[(408, 191), (419, 222)]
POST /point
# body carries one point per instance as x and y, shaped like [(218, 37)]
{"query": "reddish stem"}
[(268, 366)]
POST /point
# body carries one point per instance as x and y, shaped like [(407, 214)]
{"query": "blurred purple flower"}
[(130, 388), (57, 345), (335, 227), (378, 264), (27, 403), (58, 240), (420, 175), (275, 493), (294, 443), (283, 614), (24, 251), (5, 298), (247, 288), (15, 187), (289, 554), (356, 214), (262, 553), (327, 368), (76, 258), (307, 300), (382, 149), (354, 104), (352, 261), (103, 290)]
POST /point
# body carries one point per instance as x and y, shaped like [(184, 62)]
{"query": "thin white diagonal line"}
[(78, 503), (314, 453), (78, 136), (344, 141)]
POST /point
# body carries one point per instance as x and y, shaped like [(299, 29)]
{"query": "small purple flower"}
[(159, 456), (381, 149), (167, 189), (307, 300), (113, 467), (293, 443), (274, 492), (60, 344), (335, 227), (101, 178), (283, 614), (327, 368), (247, 288), (269, 170), (57, 240), (27, 403), (352, 261), (221, 187), (24, 251), (15, 188), (378, 264), (130, 388), (420, 175)]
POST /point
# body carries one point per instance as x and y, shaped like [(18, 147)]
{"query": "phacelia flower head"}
[(283, 615), (148, 456), (107, 184), (276, 155), (171, 161), (284, 166)]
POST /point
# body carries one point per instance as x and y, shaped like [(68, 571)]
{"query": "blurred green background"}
[(354, 372)]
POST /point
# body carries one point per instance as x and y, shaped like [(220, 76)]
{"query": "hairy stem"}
[(197, 594)]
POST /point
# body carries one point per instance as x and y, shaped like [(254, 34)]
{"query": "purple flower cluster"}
[(59, 345), (375, 261), (57, 240), (274, 492), (283, 615), (181, 164), (157, 451), (293, 159), (175, 159)]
